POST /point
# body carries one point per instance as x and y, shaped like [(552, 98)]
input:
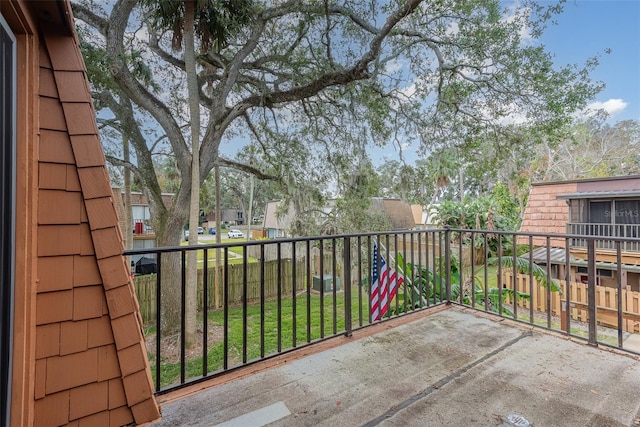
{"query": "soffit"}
[(600, 194), (53, 14)]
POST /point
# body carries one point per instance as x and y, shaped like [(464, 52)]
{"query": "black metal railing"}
[(260, 299)]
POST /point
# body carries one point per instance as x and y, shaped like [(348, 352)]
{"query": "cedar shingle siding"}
[(89, 360), (545, 213)]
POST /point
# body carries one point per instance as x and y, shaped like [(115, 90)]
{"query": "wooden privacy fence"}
[(606, 301), (146, 285)]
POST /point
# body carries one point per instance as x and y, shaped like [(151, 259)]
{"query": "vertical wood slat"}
[(606, 302), (146, 294)]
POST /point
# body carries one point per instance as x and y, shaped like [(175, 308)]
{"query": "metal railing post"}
[(447, 255), (158, 321), (347, 286), (591, 291)]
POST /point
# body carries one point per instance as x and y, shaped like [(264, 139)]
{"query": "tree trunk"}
[(194, 205), (168, 233), (128, 214), (216, 290)]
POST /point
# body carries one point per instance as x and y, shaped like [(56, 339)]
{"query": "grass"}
[(279, 328), (276, 339), (235, 254)]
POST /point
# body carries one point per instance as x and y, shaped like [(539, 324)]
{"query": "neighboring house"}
[(229, 217), (276, 225), (608, 207), (419, 216), (399, 213), (71, 344), (144, 236)]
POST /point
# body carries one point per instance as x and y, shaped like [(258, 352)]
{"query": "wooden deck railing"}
[(606, 301)]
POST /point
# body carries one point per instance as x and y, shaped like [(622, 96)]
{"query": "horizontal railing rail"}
[(253, 300), (605, 231)]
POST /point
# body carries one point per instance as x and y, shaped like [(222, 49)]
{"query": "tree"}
[(590, 149), (309, 82), (186, 19)]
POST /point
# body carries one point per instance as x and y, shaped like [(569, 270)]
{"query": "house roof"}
[(600, 194), (398, 211), (419, 216), (271, 220), (592, 181), (558, 256)]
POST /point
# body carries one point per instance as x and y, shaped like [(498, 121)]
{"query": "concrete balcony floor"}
[(445, 367)]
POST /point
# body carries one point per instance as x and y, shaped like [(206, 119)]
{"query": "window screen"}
[(600, 212), (627, 212)]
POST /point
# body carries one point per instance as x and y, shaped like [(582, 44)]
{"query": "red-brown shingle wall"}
[(91, 363), (545, 213)]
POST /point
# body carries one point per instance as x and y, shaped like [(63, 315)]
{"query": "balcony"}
[(606, 231), (328, 354), (142, 230), (442, 367)]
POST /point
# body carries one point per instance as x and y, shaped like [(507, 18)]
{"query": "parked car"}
[(200, 230), (186, 234), (212, 231), (235, 234)]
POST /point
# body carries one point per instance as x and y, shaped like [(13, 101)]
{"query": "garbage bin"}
[(325, 283)]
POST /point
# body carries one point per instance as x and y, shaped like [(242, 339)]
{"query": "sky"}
[(587, 28)]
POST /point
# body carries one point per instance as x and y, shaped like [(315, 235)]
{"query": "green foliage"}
[(523, 267), (215, 20), (498, 211), (429, 284), (592, 148), (311, 83)]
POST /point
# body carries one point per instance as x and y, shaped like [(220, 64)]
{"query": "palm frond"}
[(523, 266)]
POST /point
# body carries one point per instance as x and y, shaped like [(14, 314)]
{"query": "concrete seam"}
[(443, 381)]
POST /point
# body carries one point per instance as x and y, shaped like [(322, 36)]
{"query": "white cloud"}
[(393, 66), (409, 91), (611, 106), (453, 28)]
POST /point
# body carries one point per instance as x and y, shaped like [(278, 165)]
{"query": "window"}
[(604, 273), (605, 211), (627, 212), (600, 212), (7, 208), (583, 274)]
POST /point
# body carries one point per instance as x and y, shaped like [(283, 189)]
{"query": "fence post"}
[(447, 255), (347, 286), (591, 291)]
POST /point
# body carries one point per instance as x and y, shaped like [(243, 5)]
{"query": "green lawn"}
[(235, 254), (170, 369)]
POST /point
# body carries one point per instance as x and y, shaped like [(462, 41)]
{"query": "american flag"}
[(384, 286)]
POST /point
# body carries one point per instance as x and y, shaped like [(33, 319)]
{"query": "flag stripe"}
[(384, 286)]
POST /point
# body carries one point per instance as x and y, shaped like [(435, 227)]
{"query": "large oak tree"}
[(311, 83)]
